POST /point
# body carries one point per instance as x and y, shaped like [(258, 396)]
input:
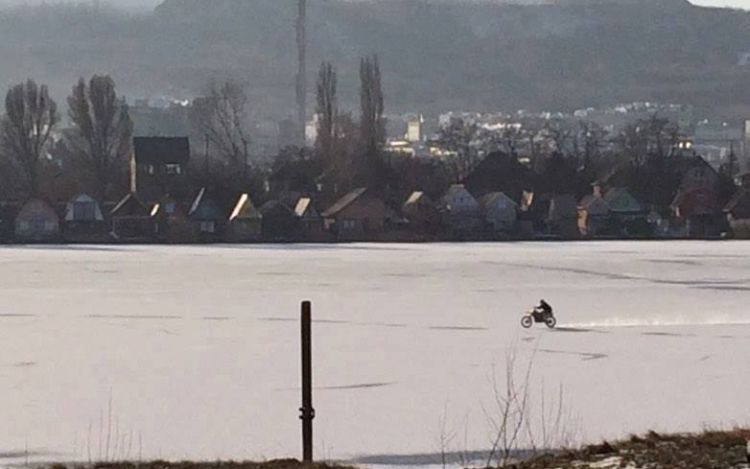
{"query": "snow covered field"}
[(197, 347)]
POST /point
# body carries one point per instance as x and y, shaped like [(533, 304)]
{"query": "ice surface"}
[(197, 347)]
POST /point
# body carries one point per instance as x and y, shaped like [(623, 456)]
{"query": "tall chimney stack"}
[(302, 71)]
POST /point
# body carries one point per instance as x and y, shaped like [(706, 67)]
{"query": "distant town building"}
[(414, 129)]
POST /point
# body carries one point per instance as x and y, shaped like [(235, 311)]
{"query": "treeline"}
[(39, 157)]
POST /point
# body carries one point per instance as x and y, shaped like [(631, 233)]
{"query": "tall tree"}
[(372, 124), (25, 130), (462, 140), (101, 130), (222, 117), (327, 111)]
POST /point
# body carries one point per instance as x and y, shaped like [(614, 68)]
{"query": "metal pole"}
[(307, 412)]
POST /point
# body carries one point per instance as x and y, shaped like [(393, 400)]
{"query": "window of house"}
[(350, 225), (170, 208), (208, 227), (150, 169), (24, 225), (173, 169)]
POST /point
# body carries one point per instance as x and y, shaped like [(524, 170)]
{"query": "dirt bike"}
[(535, 316)]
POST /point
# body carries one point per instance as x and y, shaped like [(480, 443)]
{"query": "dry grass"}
[(707, 450)]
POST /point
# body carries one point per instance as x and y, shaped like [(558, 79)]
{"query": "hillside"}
[(435, 55)]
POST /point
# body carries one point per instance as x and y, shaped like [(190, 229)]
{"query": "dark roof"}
[(499, 172), (130, 206), (209, 204), (275, 208), (344, 202), (161, 150), (740, 203)]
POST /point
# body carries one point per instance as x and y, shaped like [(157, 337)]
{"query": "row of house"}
[(495, 202)]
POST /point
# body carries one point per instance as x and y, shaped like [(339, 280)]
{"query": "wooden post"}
[(307, 412)]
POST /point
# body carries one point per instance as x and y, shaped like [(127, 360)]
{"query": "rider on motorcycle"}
[(544, 308), (542, 313)]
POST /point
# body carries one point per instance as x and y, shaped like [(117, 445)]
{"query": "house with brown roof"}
[(594, 214), (245, 221), (701, 211), (280, 222), (421, 214), (310, 221), (698, 205), (359, 215), (172, 222), (131, 221)]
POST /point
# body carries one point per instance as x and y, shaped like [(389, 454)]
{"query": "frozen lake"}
[(197, 347)]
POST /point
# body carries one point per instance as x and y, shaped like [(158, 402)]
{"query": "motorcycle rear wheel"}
[(551, 322)]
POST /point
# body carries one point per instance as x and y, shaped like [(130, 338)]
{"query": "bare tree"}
[(560, 136), (591, 138), (652, 138), (327, 111), (101, 130), (514, 422), (461, 139), (512, 407), (25, 130), (222, 117)]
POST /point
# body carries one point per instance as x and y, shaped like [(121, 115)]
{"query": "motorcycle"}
[(536, 316)]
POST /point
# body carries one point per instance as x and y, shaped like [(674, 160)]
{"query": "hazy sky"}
[(151, 3)]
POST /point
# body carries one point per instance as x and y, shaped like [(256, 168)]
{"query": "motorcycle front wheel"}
[(527, 322)]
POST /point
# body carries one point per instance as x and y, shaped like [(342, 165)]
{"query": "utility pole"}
[(302, 71)]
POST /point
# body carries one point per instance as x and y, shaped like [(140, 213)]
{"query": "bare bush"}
[(516, 424)]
